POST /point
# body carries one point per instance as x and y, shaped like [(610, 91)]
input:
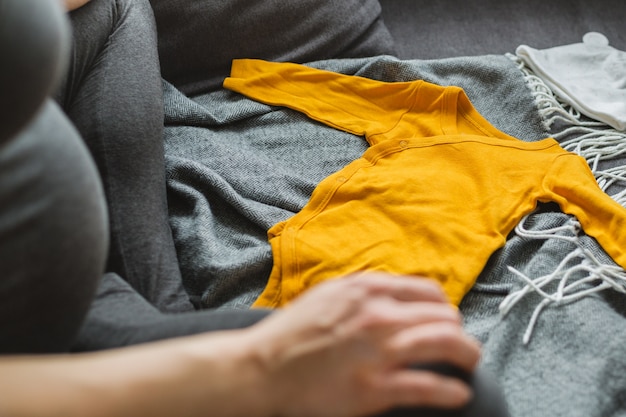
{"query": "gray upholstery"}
[(440, 29), (216, 32)]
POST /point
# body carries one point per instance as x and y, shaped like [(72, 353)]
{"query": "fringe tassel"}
[(578, 275)]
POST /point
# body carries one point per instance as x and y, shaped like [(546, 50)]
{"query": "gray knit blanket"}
[(549, 306)]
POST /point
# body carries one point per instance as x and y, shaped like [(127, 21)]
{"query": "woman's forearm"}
[(196, 376)]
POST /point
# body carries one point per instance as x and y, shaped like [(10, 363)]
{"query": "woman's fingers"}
[(74, 4), (418, 388), (435, 342), (387, 316), (403, 288)]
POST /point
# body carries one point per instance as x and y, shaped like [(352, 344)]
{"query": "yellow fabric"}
[(435, 195)]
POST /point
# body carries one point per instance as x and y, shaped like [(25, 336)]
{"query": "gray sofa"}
[(442, 29)]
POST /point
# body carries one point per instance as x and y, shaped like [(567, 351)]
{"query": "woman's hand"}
[(344, 348), (74, 4)]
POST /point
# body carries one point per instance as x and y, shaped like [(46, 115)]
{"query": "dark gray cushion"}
[(198, 39)]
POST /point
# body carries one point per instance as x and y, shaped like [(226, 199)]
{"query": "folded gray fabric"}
[(236, 167)]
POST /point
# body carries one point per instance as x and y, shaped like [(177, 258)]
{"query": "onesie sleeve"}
[(572, 184), (350, 103)]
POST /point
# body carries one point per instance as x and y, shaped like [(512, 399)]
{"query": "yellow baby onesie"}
[(436, 193)]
